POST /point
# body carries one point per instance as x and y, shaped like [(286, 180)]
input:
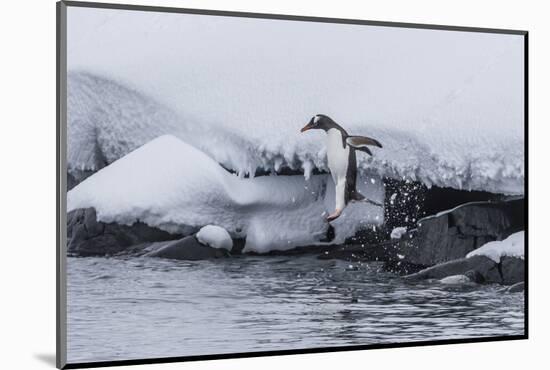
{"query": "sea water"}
[(137, 308)]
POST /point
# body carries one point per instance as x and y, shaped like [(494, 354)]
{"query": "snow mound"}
[(171, 185), (512, 246), (447, 106), (215, 237)]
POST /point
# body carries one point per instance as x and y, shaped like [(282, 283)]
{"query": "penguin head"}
[(319, 122)]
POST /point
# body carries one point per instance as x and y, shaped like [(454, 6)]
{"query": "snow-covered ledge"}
[(170, 185)]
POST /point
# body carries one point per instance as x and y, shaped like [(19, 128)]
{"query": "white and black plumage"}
[(342, 161)]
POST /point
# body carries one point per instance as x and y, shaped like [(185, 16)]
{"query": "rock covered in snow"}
[(440, 243), (215, 237), (495, 262), (454, 233), (512, 246)]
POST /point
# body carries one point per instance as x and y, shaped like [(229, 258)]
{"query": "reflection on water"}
[(149, 308)]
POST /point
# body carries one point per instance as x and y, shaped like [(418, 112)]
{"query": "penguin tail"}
[(357, 196)]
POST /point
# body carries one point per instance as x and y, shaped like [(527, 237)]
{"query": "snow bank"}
[(169, 184), (447, 106), (215, 237), (107, 120), (513, 246)]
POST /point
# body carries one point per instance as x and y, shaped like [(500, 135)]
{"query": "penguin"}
[(342, 161)]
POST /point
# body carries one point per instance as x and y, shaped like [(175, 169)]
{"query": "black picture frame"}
[(61, 151)]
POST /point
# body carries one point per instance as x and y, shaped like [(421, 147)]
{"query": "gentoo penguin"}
[(342, 163)]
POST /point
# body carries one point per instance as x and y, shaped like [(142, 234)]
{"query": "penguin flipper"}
[(361, 142), (357, 196)]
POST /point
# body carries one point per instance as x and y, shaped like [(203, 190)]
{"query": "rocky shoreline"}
[(438, 246), (435, 249), (88, 237)]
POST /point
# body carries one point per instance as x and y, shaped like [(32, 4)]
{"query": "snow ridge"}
[(107, 120)]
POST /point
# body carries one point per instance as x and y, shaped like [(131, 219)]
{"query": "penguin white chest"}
[(337, 155)]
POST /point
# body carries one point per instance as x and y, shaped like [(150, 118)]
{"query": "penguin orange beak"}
[(306, 127)]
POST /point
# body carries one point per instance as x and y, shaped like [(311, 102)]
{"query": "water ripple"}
[(146, 307)]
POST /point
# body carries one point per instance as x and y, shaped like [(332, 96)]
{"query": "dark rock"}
[(88, 237), (90, 223), (475, 276), (441, 238), (512, 270), (407, 201), (516, 288), (238, 245), (188, 248), (480, 267), (452, 235)]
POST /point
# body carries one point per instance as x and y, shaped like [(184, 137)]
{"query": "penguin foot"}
[(334, 215)]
